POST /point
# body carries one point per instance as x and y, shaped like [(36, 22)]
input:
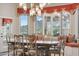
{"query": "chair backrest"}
[(47, 37), (40, 37), (18, 38), (61, 39), (70, 38), (31, 38), (32, 41)]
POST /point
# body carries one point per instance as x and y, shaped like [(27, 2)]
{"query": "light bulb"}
[(39, 12), (42, 5), (32, 12), (37, 8), (24, 7)]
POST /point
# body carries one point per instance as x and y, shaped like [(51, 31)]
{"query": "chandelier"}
[(35, 8)]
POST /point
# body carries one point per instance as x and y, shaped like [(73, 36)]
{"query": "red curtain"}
[(49, 9), (68, 7), (6, 20), (21, 11)]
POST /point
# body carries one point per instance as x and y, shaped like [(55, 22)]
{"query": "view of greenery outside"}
[(38, 24), (23, 24), (47, 28), (65, 24), (56, 31), (56, 26), (48, 32), (24, 29), (51, 27)]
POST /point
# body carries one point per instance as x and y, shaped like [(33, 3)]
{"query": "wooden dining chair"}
[(41, 48), (48, 38), (18, 44), (56, 49), (26, 45), (31, 45), (10, 46)]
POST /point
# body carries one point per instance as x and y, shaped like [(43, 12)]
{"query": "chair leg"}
[(8, 51), (59, 53), (54, 53), (63, 53), (14, 51)]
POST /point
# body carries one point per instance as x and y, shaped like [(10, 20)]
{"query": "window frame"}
[(51, 15)]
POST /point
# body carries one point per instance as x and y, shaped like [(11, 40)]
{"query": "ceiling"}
[(56, 4)]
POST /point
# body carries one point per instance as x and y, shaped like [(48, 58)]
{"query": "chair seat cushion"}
[(72, 44)]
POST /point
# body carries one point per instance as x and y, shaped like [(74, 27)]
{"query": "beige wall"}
[(74, 23), (8, 10), (0, 22)]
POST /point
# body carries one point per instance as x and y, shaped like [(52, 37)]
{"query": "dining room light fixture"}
[(35, 8)]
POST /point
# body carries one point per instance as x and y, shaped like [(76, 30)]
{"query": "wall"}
[(8, 10), (74, 23), (0, 22), (71, 51)]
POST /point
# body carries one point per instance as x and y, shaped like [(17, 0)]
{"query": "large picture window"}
[(23, 24), (56, 26), (47, 25), (57, 23), (38, 24), (65, 23)]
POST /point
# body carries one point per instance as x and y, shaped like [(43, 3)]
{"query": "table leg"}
[(8, 49), (54, 50), (47, 52), (13, 50)]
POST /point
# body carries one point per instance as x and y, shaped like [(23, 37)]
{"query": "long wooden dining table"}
[(40, 43)]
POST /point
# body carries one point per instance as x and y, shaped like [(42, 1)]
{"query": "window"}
[(38, 24), (65, 23), (57, 23), (56, 26), (24, 24), (47, 25)]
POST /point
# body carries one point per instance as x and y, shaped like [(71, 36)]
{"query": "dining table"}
[(46, 43)]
